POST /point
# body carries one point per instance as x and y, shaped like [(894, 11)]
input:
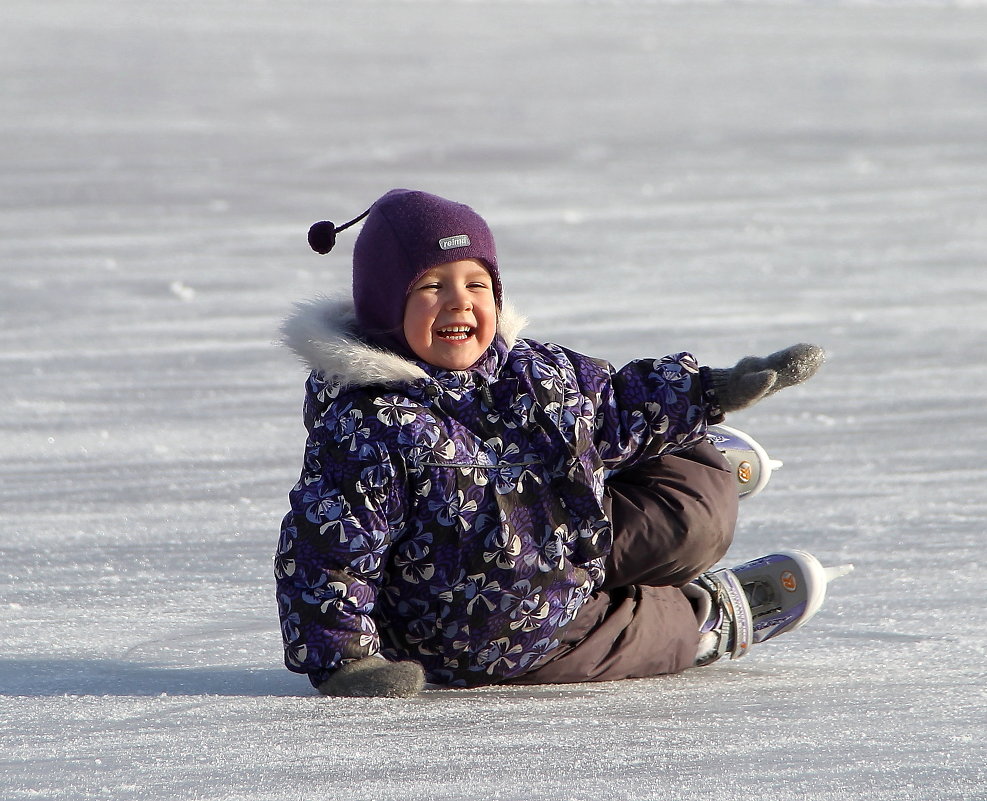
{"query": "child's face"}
[(450, 317)]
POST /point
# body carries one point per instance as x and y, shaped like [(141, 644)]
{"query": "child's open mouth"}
[(455, 333)]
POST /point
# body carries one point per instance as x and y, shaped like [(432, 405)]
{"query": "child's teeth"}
[(455, 332)]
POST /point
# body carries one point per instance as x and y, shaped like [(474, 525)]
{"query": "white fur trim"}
[(322, 333), (510, 323)]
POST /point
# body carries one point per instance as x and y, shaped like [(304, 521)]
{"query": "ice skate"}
[(750, 462), (758, 600)]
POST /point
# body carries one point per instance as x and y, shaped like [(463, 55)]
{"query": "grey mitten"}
[(754, 378), (374, 677)]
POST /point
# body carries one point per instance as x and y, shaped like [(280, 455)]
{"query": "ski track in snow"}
[(778, 171)]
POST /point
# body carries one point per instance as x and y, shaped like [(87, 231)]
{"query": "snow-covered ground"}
[(782, 171)]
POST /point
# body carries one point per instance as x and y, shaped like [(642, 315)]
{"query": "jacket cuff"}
[(714, 413), (317, 677)]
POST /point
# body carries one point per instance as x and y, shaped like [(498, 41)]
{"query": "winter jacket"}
[(456, 518)]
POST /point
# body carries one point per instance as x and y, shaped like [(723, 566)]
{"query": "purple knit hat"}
[(406, 233)]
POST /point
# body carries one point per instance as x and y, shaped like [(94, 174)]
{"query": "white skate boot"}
[(758, 600)]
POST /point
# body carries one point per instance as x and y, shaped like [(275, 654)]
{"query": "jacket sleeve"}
[(649, 407), (335, 540)]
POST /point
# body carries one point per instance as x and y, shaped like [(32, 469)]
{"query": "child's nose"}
[(460, 300)]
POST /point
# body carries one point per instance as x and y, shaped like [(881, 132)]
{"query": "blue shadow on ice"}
[(46, 677)]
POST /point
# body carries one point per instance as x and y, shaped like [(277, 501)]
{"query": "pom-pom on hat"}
[(406, 233), (322, 235)]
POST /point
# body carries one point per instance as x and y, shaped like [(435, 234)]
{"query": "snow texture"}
[(784, 172)]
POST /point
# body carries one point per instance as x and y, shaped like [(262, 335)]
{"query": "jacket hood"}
[(323, 333)]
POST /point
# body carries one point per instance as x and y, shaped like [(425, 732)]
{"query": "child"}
[(475, 507)]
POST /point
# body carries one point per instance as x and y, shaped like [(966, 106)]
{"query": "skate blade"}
[(836, 572)]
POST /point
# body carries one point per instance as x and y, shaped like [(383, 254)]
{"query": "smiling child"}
[(475, 507)]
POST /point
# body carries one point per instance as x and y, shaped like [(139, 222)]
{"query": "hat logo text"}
[(450, 242)]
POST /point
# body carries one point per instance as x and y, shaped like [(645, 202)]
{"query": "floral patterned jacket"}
[(455, 518)]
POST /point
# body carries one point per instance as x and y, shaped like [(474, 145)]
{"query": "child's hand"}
[(375, 677), (754, 378)]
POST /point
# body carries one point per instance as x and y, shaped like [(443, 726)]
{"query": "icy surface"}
[(777, 172)]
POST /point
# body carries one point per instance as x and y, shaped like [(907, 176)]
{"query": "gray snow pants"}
[(673, 518)]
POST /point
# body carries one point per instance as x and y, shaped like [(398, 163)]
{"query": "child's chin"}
[(456, 364), (457, 361)]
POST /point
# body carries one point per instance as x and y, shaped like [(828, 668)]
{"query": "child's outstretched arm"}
[(653, 407)]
